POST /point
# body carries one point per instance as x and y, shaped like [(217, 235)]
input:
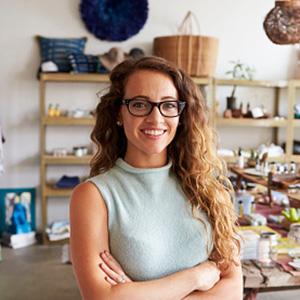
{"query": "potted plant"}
[(239, 71)]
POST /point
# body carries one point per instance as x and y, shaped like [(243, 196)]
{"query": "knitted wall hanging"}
[(114, 20)]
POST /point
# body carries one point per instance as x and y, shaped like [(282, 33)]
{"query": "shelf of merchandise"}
[(293, 85), (48, 191), (234, 159), (271, 123), (67, 121), (69, 77), (251, 122), (253, 83), (211, 84), (67, 160)]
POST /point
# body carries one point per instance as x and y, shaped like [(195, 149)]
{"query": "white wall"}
[(238, 25)]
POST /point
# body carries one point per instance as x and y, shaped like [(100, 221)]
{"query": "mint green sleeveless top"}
[(152, 232)]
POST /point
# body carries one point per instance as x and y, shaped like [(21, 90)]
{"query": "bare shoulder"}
[(86, 195)]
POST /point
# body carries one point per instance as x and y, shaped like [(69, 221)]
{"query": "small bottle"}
[(266, 168), (241, 160), (241, 208), (272, 167), (257, 164), (293, 167), (50, 111), (253, 207), (264, 248), (286, 168), (57, 110)]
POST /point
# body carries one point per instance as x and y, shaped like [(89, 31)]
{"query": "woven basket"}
[(195, 54), (282, 23)]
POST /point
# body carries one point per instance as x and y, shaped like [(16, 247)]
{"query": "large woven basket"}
[(282, 23), (195, 54)]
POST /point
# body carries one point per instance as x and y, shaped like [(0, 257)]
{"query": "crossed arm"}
[(229, 285), (89, 237)]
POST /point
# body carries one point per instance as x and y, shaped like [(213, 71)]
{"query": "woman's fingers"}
[(115, 267), (110, 281), (112, 274), (111, 262)]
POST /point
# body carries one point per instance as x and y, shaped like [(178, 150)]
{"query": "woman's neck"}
[(149, 161)]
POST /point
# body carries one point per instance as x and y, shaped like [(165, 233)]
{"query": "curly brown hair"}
[(200, 172)]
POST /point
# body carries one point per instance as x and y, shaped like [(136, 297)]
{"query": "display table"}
[(266, 279), (264, 181), (277, 277)]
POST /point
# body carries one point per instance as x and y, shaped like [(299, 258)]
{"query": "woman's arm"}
[(230, 287), (89, 237)]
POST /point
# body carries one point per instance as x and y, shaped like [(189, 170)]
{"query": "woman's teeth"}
[(153, 132)]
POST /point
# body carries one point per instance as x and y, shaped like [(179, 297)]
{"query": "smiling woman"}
[(151, 208)]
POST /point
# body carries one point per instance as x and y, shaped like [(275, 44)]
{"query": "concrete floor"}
[(36, 273)]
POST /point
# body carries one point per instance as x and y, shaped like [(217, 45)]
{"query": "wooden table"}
[(266, 279), (264, 181)]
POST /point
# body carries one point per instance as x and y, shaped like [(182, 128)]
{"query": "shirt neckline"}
[(121, 163)]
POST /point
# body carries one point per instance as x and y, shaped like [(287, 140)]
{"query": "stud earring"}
[(119, 123)]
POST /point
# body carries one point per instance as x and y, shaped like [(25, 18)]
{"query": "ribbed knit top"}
[(152, 232)]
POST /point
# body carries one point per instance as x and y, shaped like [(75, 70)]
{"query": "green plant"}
[(240, 71)]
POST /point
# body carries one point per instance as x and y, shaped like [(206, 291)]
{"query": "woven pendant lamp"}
[(282, 23)]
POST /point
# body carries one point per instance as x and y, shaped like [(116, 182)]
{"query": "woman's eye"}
[(139, 104), (170, 105)]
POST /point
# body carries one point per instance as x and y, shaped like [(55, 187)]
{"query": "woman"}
[(156, 208)]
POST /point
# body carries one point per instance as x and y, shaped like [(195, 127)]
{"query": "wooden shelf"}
[(251, 122), (234, 159), (67, 121), (295, 82), (66, 160), (296, 122), (69, 77), (295, 158), (53, 192), (253, 83), (202, 80), (59, 242)]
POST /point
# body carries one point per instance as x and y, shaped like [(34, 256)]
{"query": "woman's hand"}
[(112, 269), (207, 275)]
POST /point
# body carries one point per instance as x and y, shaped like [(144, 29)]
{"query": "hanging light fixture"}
[(282, 23)]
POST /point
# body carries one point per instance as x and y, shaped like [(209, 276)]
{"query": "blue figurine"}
[(19, 220)]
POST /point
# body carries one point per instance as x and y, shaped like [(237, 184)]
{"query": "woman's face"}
[(148, 136)]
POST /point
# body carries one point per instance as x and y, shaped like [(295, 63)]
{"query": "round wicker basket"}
[(282, 23)]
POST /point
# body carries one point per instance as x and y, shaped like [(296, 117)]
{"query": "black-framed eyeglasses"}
[(142, 107)]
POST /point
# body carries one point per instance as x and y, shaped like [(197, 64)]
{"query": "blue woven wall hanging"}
[(114, 20)]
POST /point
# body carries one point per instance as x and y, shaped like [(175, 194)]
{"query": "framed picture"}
[(9, 198)]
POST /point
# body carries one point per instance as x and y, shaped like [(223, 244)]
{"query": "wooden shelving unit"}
[(273, 123), (293, 85), (47, 190), (211, 84)]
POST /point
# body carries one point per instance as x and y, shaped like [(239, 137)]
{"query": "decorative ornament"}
[(282, 23), (114, 20)]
